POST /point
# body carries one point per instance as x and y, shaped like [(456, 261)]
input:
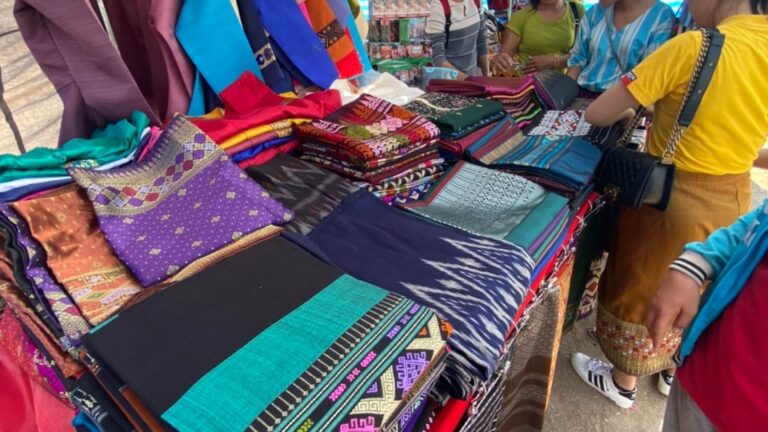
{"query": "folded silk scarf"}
[(345, 353), (105, 145), (306, 189), (370, 128), (184, 201), (475, 283), (77, 252)]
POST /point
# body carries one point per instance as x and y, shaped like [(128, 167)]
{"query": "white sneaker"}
[(665, 383), (597, 374)]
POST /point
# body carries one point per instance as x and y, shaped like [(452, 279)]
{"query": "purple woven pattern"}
[(184, 201)]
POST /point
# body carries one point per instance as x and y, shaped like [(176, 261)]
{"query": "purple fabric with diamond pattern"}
[(184, 201)]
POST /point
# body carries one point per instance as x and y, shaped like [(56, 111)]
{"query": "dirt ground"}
[(574, 407)]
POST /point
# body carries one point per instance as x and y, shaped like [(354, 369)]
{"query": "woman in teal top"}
[(541, 35), (614, 36)]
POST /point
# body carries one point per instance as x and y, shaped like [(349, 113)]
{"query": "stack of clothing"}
[(256, 124), (43, 168), (564, 165), (457, 117), (497, 205), (516, 94), (391, 150), (282, 350)]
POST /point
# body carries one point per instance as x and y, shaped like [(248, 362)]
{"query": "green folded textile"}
[(106, 145), (452, 112)]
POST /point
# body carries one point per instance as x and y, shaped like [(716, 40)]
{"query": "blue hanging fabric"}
[(287, 26), (275, 76), (197, 101), (358, 41), (213, 38)]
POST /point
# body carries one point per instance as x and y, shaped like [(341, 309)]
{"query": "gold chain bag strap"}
[(634, 178)]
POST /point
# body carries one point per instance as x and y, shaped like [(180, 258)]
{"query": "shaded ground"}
[(575, 407)]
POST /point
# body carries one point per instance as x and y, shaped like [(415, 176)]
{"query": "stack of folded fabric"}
[(43, 168), (256, 124), (517, 95), (310, 348), (495, 204), (565, 165), (457, 116), (392, 150), (495, 137)]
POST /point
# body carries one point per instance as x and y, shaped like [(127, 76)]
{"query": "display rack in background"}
[(397, 39)]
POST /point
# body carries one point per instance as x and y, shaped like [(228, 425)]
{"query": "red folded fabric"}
[(250, 103), (449, 417)]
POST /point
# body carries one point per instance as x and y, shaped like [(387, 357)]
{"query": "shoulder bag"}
[(634, 178)]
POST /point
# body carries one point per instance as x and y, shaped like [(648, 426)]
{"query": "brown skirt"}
[(645, 242)]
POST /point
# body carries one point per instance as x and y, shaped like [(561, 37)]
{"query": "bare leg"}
[(627, 382)]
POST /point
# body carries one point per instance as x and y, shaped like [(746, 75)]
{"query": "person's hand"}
[(502, 62), (539, 63), (674, 305)]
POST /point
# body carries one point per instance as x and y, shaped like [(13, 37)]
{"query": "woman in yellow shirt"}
[(541, 35), (712, 186)]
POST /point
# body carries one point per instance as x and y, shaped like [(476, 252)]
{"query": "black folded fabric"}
[(309, 191)]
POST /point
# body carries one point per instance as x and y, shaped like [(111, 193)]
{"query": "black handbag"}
[(633, 178)]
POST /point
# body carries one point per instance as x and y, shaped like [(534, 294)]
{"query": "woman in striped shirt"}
[(614, 36)]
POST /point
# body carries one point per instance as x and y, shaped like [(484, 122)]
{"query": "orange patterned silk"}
[(78, 254)]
